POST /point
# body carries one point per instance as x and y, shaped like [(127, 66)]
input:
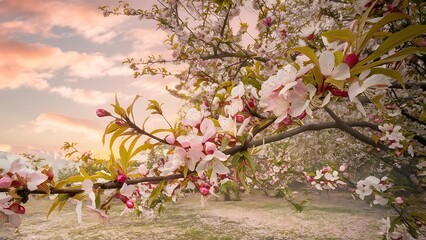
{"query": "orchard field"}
[(329, 95), (332, 216)]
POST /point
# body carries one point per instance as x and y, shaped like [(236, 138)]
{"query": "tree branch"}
[(346, 128), (106, 185)]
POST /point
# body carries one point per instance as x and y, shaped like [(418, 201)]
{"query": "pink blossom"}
[(170, 139), (5, 182), (35, 179), (399, 200), (192, 118), (143, 170)]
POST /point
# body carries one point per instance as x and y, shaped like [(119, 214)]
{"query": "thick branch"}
[(346, 128), (305, 128)]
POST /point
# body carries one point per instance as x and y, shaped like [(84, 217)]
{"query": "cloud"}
[(33, 65), (57, 122), (27, 65), (79, 95), (5, 148), (41, 16)]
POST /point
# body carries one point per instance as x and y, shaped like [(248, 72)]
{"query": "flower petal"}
[(36, 178), (341, 72), (326, 61)]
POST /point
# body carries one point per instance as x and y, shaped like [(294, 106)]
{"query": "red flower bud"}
[(339, 93), (302, 116), (311, 36), (251, 103), (16, 183), (49, 173), (122, 178), (17, 208), (102, 113), (239, 118), (204, 191), (129, 204), (287, 121), (351, 60)]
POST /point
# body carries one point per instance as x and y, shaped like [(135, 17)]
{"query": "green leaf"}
[(141, 148), (308, 52), (318, 77), (129, 109), (124, 157), (61, 198), (161, 130), (252, 81), (390, 73), (375, 28), (71, 179), (155, 107), (117, 108), (365, 16), (103, 175), (116, 135), (399, 56), (395, 40), (378, 103), (156, 192), (337, 83), (84, 173), (111, 127), (249, 161), (345, 35)]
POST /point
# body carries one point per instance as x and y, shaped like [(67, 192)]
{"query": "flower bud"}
[(129, 204), (287, 121), (204, 191), (267, 21), (251, 103), (399, 200), (122, 178), (239, 118), (421, 43), (351, 60), (310, 36), (102, 113), (49, 173), (302, 115), (17, 208)]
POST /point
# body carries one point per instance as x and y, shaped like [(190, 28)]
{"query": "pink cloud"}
[(57, 122), (91, 97), (32, 65), (42, 15), (5, 148)]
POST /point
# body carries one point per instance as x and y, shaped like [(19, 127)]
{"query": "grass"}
[(255, 217)]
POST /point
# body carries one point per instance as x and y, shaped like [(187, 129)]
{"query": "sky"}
[(62, 60)]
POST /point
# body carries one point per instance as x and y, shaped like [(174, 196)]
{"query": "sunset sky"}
[(60, 61)]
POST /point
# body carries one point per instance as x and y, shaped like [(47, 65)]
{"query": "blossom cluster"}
[(327, 178), (373, 184), (392, 134), (19, 178)]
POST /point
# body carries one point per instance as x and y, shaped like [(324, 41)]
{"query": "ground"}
[(326, 216)]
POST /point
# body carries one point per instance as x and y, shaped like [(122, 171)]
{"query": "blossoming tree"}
[(355, 67)]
